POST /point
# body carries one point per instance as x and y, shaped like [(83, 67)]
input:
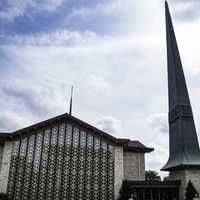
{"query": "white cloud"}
[(157, 159), (185, 11), (15, 8), (55, 38), (24, 103), (30, 97), (110, 125), (159, 122), (123, 15), (10, 121), (98, 85), (103, 9)]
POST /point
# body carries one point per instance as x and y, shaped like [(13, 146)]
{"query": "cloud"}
[(11, 9), (98, 85), (54, 38), (116, 16), (157, 159), (185, 10), (26, 104), (159, 122), (10, 121), (110, 125), (29, 97), (102, 9)]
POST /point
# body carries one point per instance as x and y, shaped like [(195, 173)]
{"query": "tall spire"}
[(184, 147), (178, 93), (71, 100)]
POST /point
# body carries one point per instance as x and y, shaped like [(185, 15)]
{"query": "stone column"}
[(184, 176), (5, 166), (119, 170)]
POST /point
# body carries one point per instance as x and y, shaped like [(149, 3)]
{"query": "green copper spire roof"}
[(184, 146)]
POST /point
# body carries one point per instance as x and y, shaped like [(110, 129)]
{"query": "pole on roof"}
[(70, 107)]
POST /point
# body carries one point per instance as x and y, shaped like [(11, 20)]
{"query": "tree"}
[(191, 192), (166, 178), (125, 191), (151, 175)]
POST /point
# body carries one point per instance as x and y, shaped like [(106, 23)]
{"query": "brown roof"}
[(129, 145), (4, 137), (136, 146)]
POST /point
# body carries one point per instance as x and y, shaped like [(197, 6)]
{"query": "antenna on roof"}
[(70, 107)]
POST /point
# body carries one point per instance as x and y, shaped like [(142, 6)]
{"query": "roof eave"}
[(138, 150), (181, 167)]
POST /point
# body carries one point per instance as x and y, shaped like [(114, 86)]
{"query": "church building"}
[(65, 158)]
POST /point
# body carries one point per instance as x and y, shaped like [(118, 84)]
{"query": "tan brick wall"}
[(134, 166), (185, 176), (5, 166)]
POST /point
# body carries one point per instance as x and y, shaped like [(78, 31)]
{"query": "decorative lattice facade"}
[(61, 162)]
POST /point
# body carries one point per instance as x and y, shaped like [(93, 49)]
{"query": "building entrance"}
[(150, 190)]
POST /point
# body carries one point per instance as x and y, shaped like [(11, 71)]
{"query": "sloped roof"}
[(129, 145), (4, 137)]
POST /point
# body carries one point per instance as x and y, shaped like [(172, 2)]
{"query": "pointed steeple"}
[(71, 101), (178, 93), (184, 146)]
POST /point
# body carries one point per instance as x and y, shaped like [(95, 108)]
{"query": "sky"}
[(112, 51)]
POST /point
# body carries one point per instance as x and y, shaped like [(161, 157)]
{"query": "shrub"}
[(125, 191), (191, 191), (151, 175), (3, 196)]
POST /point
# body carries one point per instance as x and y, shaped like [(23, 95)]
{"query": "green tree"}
[(151, 175), (166, 178), (191, 192), (125, 191)]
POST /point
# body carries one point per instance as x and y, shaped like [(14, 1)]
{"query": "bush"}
[(125, 191), (152, 176), (3, 196), (191, 191)]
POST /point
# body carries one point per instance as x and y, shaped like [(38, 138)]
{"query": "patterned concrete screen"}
[(61, 162)]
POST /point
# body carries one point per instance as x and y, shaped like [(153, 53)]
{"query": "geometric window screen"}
[(61, 162)]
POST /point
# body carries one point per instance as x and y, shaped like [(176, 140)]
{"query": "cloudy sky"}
[(112, 51)]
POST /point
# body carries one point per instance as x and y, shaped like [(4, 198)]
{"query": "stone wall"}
[(1, 154), (5, 166), (185, 176), (119, 170), (134, 166), (129, 166)]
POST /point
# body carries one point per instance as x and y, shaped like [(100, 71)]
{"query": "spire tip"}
[(166, 5), (70, 107)]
